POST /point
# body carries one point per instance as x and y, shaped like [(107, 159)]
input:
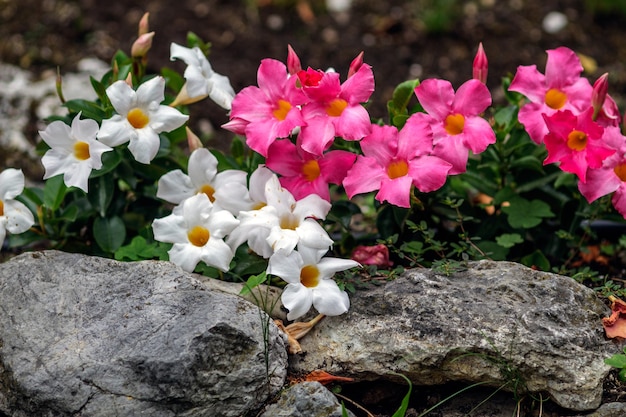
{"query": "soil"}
[(400, 39)]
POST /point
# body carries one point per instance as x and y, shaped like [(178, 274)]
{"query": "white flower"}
[(14, 215), (74, 151), (140, 118), (197, 228), (201, 80), (283, 223), (308, 275), (227, 189)]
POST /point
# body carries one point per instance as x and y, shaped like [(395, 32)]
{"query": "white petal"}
[(96, 149), (197, 210), (186, 256), (329, 266), (221, 91), (77, 175), (170, 229), (187, 55), (311, 234), (217, 253), (312, 206), (3, 230), (328, 299), (258, 179), (58, 135), (175, 187), (221, 223), (19, 217), (11, 183), (151, 91), (145, 146), (84, 129), (166, 119), (197, 84), (116, 131), (123, 97), (287, 266), (202, 167), (298, 299), (285, 239)]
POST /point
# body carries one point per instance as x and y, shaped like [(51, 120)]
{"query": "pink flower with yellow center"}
[(576, 142), (269, 111), (393, 162), (455, 119), (561, 88), (611, 177), (334, 109), (303, 173)]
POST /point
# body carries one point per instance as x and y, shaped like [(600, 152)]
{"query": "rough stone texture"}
[(465, 327), (306, 399), (610, 410), (86, 336)]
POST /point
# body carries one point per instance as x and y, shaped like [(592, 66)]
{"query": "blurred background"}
[(400, 39)]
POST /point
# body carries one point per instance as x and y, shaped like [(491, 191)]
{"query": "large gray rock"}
[(543, 330), (306, 399), (86, 336)]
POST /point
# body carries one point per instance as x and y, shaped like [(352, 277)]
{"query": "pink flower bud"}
[(193, 140), (293, 62), (598, 94), (372, 255), (481, 65), (143, 24), (355, 64), (142, 45)]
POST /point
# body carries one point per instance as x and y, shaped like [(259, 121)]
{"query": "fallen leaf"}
[(325, 378), (615, 325)]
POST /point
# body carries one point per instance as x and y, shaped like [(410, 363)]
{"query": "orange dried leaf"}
[(324, 377), (615, 325)]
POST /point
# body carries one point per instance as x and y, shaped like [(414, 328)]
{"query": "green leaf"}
[(398, 105), (401, 412), (528, 162), (89, 109), (493, 250), (536, 260), (616, 361), (54, 192), (139, 249), (109, 233), (253, 281), (110, 160), (526, 214), (508, 240), (101, 194)]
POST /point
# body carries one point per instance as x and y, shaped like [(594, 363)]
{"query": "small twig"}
[(360, 407)]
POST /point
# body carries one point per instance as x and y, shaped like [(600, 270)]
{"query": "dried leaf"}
[(615, 325)]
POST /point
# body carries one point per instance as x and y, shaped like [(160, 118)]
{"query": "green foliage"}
[(618, 361)]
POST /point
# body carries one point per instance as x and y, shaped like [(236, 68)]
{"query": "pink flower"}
[(394, 161), (457, 126), (575, 142), (480, 66), (303, 173), (268, 111), (335, 109), (561, 88), (372, 255), (611, 177)]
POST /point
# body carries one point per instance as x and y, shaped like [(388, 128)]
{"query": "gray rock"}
[(610, 410), (86, 336), (499, 322), (306, 399)]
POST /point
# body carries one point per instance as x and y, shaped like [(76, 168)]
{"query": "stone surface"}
[(610, 410), (94, 337), (306, 399), (542, 329)]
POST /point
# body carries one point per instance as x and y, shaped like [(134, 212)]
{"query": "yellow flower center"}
[(454, 124), (137, 118), (209, 191), (289, 221), (555, 99), (259, 205), (198, 236), (397, 169), (1, 208), (577, 140), (283, 108), (619, 170), (81, 150), (311, 170), (309, 276), (336, 107)]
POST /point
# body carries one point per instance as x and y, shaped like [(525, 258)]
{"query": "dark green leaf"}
[(100, 194), (109, 233), (536, 260), (616, 361), (253, 281), (526, 214), (401, 412), (54, 192), (508, 240)]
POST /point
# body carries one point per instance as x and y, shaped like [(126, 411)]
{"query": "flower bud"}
[(480, 66), (355, 64), (142, 45), (193, 140), (143, 25), (293, 62), (598, 94), (372, 255)]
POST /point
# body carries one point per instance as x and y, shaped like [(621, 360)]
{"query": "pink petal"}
[(416, 137), (619, 200), (360, 86), (529, 82), (396, 191), (299, 187), (436, 97), (563, 68), (429, 173), (477, 134), (599, 183), (283, 158), (453, 150), (472, 98), (334, 166), (271, 78), (531, 116), (364, 176), (251, 104), (317, 135), (381, 144), (354, 123)]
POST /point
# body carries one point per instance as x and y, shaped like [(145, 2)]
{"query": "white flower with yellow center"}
[(283, 223), (74, 151), (201, 80), (15, 217), (309, 281), (228, 189), (197, 229), (140, 118)]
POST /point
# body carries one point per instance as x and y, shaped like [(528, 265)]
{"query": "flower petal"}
[(174, 187), (329, 300), (298, 299)]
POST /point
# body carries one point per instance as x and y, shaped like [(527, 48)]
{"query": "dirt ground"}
[(400, 39)]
